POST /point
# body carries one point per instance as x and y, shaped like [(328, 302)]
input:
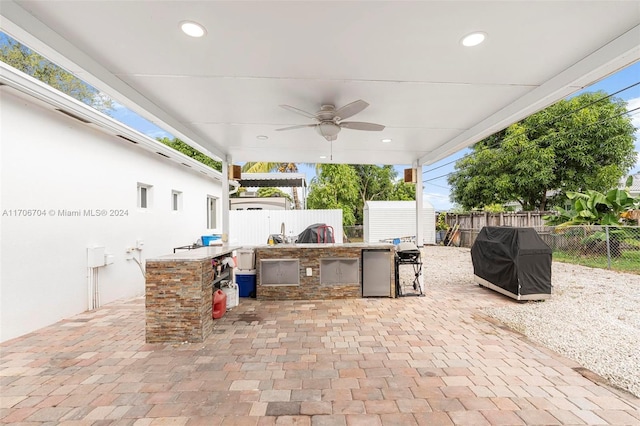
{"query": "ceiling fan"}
[(329, 119)]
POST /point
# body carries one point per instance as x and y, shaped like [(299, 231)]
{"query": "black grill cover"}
[(514, 259), (316, 233)]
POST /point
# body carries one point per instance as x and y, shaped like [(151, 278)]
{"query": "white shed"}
[(396, 219)]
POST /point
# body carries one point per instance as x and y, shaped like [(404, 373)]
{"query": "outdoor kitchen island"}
[(179, 293), (324, 271)]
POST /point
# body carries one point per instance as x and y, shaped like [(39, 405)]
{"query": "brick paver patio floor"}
[(434, 360)]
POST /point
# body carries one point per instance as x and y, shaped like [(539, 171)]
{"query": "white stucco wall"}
[(52, 162)]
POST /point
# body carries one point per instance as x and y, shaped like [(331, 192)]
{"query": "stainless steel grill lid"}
[(407, 247)]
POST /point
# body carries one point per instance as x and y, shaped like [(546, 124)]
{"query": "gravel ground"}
[(593, 316)]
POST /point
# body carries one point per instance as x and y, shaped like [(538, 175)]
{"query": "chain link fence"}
[(611, 247), (608, 247), (353, 233)]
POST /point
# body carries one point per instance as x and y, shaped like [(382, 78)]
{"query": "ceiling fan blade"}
[(359, 125), (297, 127), (351, 109), (298, 111)]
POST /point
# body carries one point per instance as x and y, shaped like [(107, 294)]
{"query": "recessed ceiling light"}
[(323, 157), (473, 39), (262, 137), (192, 29), (386, 140)]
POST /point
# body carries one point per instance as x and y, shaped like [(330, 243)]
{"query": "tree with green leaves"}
[(272, 192), (596, 208), (403, 191), (189, 151), (586, 142), (375, 183), (24, 59), (611, 209), (336, 187)]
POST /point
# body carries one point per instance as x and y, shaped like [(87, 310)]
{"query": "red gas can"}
[(219, 304)]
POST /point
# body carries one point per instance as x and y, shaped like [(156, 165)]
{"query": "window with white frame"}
[(176, 200), (144, 196), (212, 205)]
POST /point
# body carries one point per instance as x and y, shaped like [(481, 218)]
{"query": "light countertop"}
[(197, 254)]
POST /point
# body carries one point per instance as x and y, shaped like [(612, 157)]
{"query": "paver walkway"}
[(433, 360)]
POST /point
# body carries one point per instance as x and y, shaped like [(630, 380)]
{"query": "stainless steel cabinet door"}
[(376, 273)]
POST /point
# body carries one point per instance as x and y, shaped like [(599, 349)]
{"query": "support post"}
[(419, 197), (225, 198), (606, 229)]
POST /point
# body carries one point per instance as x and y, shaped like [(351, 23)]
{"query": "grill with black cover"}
[(513, 261)]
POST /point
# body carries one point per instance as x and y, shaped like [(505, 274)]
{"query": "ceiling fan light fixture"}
[(328, 129), (329, 119), (473, 39), (192, 29)]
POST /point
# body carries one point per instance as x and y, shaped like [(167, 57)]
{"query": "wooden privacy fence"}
[(470, 224)]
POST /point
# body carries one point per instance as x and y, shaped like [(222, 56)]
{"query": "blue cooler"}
[(211, 240), (246, 280)]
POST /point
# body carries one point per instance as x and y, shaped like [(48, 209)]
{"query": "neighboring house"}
[(634, 189), (515, 206), (80, 190)]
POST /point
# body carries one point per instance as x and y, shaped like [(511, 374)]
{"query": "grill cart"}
[(408, 254)]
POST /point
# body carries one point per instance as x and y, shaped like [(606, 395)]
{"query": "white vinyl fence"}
[(253, 227)]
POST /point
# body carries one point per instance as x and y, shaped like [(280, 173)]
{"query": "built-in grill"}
[(408, 254)]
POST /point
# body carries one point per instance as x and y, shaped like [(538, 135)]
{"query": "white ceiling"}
[(404, 58)]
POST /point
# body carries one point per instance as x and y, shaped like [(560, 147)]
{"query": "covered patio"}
[(436, 360), (427, 361)]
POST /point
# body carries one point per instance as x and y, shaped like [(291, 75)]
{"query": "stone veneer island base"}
[(179, 294), (280, 277)]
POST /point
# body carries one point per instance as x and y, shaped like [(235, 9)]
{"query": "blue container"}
[(246, 284), (208, 239)]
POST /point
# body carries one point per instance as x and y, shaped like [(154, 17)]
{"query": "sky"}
[(435, 187)]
